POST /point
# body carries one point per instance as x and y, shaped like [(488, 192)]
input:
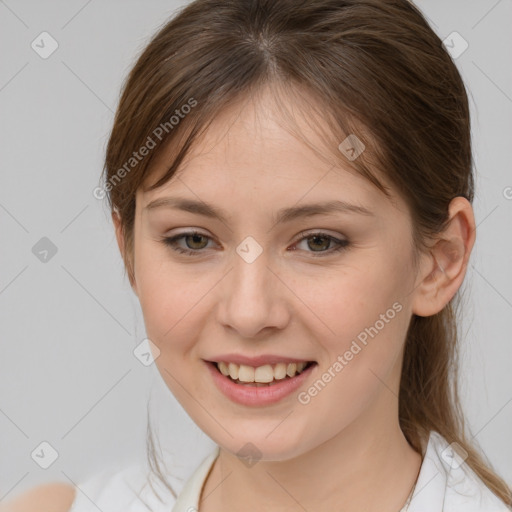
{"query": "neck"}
[(368, 466)]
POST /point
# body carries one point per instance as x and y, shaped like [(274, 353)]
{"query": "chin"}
[(261, 446)]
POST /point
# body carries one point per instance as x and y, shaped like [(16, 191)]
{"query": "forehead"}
[(251, 153)]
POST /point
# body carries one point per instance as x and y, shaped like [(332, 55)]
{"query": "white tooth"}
[(280, 371), (301, 366), (233, 370), (246, 373), (223, 367), (291, 370), (264, 374)]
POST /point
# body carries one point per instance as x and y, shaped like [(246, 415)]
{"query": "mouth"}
[(242, 384), (261, 376)]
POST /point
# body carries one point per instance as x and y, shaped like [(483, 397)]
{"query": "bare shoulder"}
[(51, 497)]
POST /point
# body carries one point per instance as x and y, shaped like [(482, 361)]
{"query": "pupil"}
[(195, 239), (316, 238)]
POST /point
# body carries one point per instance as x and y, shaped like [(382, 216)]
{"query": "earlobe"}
[(446, 267)]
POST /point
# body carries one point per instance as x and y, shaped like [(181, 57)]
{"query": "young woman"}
[(291, 188)]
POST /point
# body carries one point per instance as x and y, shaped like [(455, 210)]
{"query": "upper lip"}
[(256, 361)]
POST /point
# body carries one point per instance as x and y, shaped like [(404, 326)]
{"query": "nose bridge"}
[(253, 300), (251, 276)]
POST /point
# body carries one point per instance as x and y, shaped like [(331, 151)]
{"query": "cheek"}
[(347, 301), (359, 350), (175, 300), (359, 323), (163, 296)]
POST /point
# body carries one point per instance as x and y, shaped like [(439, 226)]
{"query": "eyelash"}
[(171, 242)]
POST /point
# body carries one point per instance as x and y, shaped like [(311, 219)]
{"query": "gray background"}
[(69, 325)]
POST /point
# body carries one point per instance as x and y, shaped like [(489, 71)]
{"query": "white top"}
[(443, 485)]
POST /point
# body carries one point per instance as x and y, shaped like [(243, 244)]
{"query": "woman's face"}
[(259, 284)]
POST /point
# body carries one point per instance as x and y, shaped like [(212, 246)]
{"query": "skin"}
[(52, 497), (327, 454)]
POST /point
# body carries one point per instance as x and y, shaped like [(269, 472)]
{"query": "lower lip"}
[(254, 395)]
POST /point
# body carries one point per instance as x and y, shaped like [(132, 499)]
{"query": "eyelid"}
[(303, 234), (310, 232), (342, 243)]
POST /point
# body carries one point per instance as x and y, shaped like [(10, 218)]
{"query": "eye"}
[(193, 237), (196, 241), (321, 240)]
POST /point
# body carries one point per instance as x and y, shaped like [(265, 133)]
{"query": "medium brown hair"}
[(373, 68)]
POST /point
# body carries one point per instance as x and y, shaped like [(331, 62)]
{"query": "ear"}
[(443, 270), (118, 226)]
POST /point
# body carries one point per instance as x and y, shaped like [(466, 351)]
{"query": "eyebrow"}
[(283, 215)]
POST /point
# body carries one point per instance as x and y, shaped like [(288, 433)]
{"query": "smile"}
[(262, 385), (262, 375)]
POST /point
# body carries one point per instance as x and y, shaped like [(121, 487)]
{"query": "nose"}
[(254, 297)]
